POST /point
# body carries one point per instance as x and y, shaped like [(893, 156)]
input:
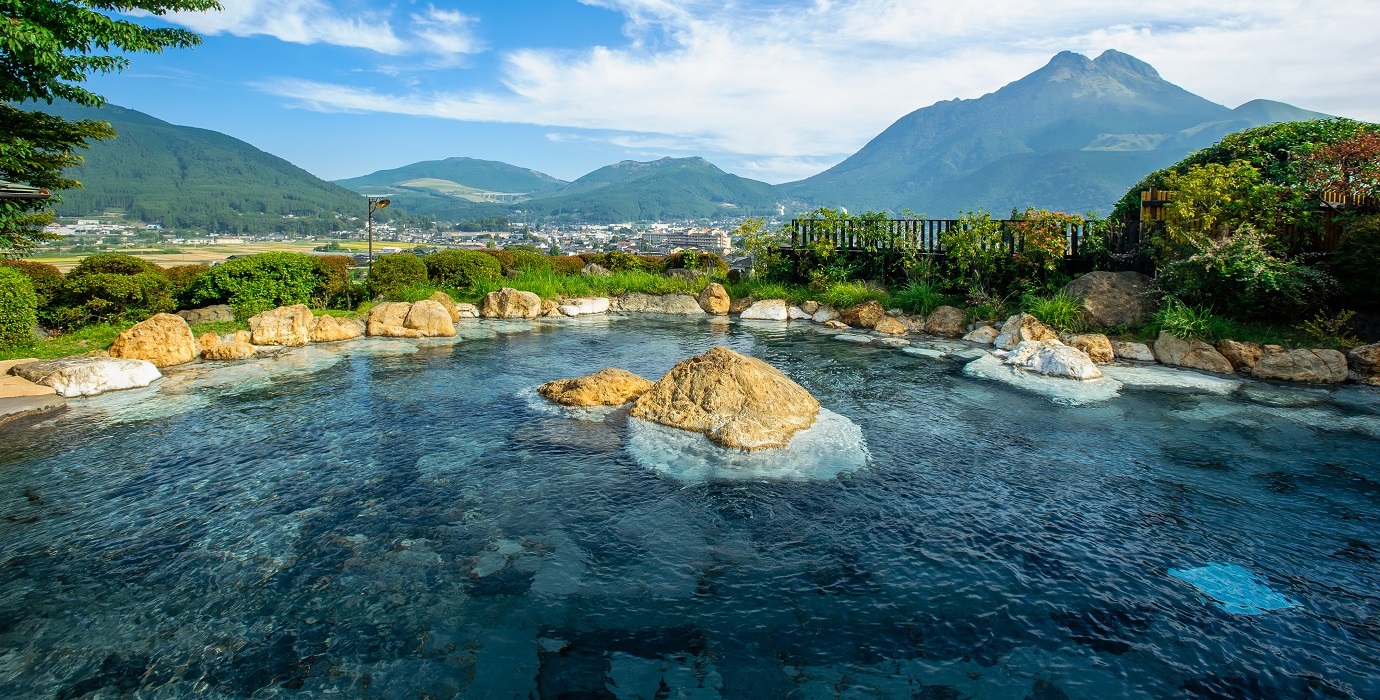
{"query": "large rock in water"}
[(285, 325), (510, 303), (767, 310), (1193, 354), (329, 329), (670, 304), (444, 300), (1365, 363), (164, 339), (88, 376), (714, 299), (946, 322), (1020, 328), (607, 387), (1313, 366), (387, 319), (864, 315), (1112, 298), (737, 401), (1053, 359), (429, 318)]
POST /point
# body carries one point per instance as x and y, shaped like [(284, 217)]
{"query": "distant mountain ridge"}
[(1072, 135)]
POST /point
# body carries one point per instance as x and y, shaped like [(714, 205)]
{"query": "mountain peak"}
[(1111, 59)]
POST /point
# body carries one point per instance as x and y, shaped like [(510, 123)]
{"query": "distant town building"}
[(709, 240)]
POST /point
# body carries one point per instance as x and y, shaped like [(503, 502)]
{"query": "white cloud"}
[(446, 33), (788, 86)]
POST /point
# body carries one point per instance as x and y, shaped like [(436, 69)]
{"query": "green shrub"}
[(1356, 263), (181, 278), (709, 263), (618, 261), (842, 295), (112, 263), (335, 287), (412, 293), (462, 269), (257, 283), (974, 251), (1187, 322), (1060, 311), (567, 264), (108, 297), (505, 259), (47, 280), (527, 260), (18, 308), (1241, 278), (1332, 331), (919, 298), (390, 273)]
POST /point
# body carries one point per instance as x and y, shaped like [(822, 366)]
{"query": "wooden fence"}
[(924, 236)]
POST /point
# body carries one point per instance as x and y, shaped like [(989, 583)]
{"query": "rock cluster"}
[(1020, 328), (213, 348), (1052, 358), (423, 319), (737, 401)]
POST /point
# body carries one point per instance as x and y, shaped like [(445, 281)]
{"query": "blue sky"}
[(770, 89)]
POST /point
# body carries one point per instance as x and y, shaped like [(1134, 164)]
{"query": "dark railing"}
[(924, 236)]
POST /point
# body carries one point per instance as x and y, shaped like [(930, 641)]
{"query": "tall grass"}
[(1188, 322), (1060, 311), (757, 289), (548, 284), (842, 295), (919, 298)]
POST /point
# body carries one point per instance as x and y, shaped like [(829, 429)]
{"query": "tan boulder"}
[(1313, 366), (510, 303), (228, 351), (607, 387), (739, 305), (1242, 356), (242, 337), (714, 299), (810, 307), (329, 329), (285, 325), (737, 401), (983, 335), (946, 322), (164, 339), (549, 307), (888, 325), (1112, 298), (836, 325), (387, 319), (444, 300), (864, 315), (1193, 354), (430, 319), (207, 340), (1096, 346), (1020, 328), (1365, 363)]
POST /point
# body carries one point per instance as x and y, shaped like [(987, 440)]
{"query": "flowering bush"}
[(1240, 277)]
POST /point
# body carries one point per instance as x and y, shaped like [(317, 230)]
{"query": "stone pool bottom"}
[(398, 519)]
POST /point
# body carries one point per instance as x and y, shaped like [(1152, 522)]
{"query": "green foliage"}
[(529, 260), (973, 251), (550, 285), (842, 295), (1332, 331), (412, 293), (919, 298), (567, 264), (335, 287), (618, 261), (1356, 263), (1060, 311), (709, 263), (82, 340), (1240, 277), (505, 259), (1212, 200), (461, 269), (35, 148), (764, 247), (390, 273), (1187, 322), (108, 297), (1043, 237), (257, 283), (18, 308), (181, 278), (112, 263), (47, 280)]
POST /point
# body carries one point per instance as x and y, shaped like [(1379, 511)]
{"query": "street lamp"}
[(374, 203)]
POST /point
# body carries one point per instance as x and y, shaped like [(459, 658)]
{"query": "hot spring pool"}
[(399, 519)]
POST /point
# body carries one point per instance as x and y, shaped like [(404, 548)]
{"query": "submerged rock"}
[(1057, 389), (607, 387), (285, 325), (737, 401), (946, 322), (1112, 298), (1193, 354), (163, 339), (88, 376), (1053, 359), (510, 303), (1312, 366), (1020, 328), (767, 310), (864, 315)]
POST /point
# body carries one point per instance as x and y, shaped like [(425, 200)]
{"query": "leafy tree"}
[(1350, 167), (1212, 200), (48, 47)]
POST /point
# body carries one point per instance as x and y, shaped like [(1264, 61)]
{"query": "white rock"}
[(1139, 352), (1057, 389), (825, 315), (1054, 359), (467, 310), (796, 313), (892, 342), (767, 310), (927, 353), (585, 306), (672, 304), (982, 335), (88, 376), (1170, 378), (854, 338)]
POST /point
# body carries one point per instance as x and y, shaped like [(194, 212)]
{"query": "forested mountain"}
[(669, 188), (186, 178), (1073, 136)]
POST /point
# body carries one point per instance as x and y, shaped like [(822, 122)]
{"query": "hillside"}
[(450, 186), (187, 177), (669, 188), (1071, 136)]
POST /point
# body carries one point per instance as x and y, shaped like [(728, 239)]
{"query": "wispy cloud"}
[(790, 85), (447, 33)]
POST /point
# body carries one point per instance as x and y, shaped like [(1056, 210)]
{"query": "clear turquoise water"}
[(390, 525)]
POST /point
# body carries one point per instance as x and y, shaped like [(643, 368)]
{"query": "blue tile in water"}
[(1234, 588)]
